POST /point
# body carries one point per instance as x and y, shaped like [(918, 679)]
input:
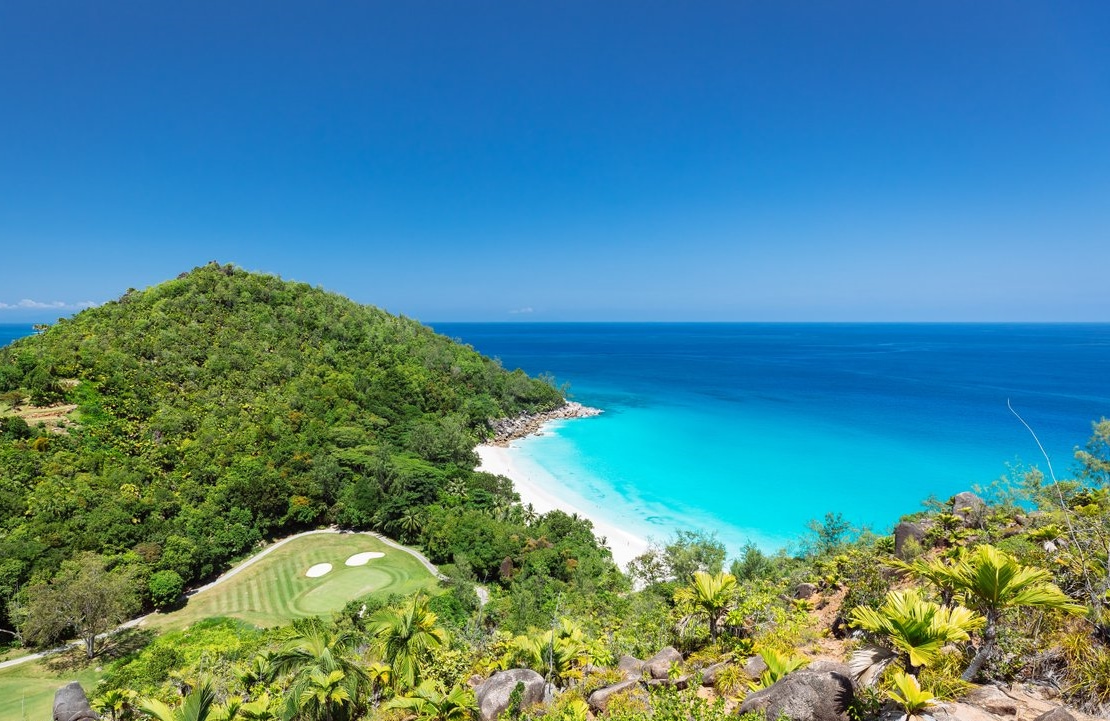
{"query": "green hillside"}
[(223, 407)]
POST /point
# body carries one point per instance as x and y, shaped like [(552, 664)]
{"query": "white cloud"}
[(518, 311), (28, 304)]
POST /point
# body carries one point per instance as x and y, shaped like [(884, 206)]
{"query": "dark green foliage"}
[(223, 407)]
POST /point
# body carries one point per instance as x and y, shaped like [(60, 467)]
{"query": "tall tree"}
[(83, 597)]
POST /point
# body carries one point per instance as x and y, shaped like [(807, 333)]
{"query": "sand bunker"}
[(318, 570), (360, 559)]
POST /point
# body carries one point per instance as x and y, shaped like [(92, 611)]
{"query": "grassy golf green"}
[(270, 591), (275, 589)]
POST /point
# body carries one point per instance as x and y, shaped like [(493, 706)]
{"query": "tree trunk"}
[(90, 646), (990, 635)]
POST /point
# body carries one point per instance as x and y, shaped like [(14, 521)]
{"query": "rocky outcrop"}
[(659, 665), (526, 424), (992, 700), (907, 531), (755, 666), (599, 700), (1056, 714), (806, 695), (805, 590), (630, 667), (493, 693), (710, 675), (681, 682), (969, 508), (71, 704)]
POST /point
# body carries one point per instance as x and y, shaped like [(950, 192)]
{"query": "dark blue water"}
[(752, 429), (12, 331)]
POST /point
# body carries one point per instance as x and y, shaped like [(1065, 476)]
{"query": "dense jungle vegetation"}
[(224, 408)]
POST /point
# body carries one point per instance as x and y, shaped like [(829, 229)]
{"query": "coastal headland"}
[(543, 490)]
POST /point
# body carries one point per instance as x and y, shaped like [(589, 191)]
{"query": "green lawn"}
[(27, 690), (275, 589)]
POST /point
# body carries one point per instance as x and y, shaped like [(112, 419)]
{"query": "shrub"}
[(165, 589)]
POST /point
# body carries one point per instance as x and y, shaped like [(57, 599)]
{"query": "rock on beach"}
[(526, 424)]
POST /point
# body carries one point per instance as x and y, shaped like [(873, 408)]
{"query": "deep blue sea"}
[(750, 430), (11, 331)]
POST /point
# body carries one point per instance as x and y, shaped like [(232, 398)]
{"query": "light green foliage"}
[(914, 627), (709, 597), (327, 679), (404, 638), (908, 694), (198, 705), (428, 702), (217, 645), (778, 665), (558, 654), (991, 581), (828, 534)]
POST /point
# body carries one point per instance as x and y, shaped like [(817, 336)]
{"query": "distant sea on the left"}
[(14, 331)]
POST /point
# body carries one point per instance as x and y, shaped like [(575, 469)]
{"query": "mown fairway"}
[(270, 591), (275, 590), (27, 690)]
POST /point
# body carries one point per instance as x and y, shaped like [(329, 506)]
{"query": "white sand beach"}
[(542, 491)]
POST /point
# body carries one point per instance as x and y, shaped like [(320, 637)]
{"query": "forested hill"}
[(222, 406)]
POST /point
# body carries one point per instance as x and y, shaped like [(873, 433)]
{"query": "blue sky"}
[(571, 160)]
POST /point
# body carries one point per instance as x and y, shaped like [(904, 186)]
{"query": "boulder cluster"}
[(822, 691), (526, 424)]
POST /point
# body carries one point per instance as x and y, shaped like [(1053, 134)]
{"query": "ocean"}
[(12, 331), (751, 430)]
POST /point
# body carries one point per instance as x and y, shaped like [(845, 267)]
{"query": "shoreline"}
[(542, 491), (507, 430)]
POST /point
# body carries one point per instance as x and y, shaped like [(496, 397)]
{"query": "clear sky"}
[(567, 159)]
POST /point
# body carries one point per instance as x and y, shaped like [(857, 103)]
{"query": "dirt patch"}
[(56, 418)]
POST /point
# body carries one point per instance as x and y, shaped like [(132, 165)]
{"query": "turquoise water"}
[(750, 430)]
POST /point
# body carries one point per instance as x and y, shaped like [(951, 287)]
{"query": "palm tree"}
[(410, 523), (319, 660), (710, 595), (114, 702), (259, 670), (916, 628), (197, 706), (991, 581), (322, 696), (380, 675), (404, 638), (235, 708), (429, 703), (558, 654)]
